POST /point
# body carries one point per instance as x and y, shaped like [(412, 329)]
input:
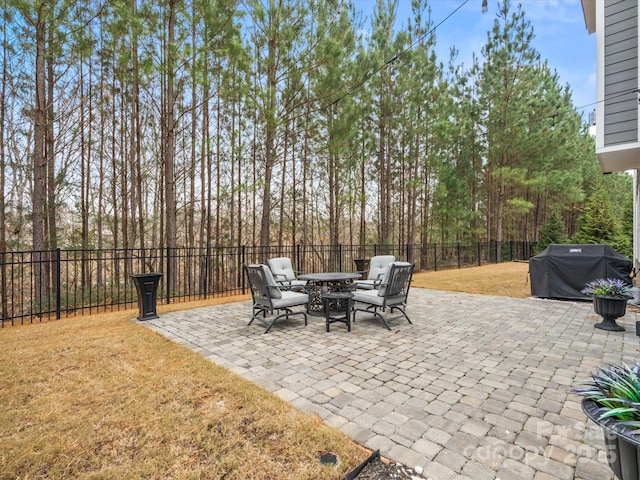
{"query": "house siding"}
[(621, 72)]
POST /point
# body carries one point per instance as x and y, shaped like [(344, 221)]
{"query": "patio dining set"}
[(276, 288)]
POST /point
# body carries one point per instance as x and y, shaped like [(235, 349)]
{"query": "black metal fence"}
[(52, 284)]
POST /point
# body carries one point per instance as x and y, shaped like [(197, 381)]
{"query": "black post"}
[(168, 293), (479, 254), (458, 248), (242, 262), (435, 257), (58, 295), (206, 274)]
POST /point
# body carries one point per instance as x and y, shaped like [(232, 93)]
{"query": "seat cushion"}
[(274, 291), (290, 299), (368, 296), (282, 268), (371, 297), (378, 266)]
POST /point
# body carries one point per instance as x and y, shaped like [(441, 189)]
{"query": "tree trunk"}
[(85, 168), (170, 142), (4, 307), (136, 133), (270, 138), (39, 158)]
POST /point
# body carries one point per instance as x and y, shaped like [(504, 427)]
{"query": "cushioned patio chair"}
[(392, 294), (284, 274), (378, 266), (268, 298)]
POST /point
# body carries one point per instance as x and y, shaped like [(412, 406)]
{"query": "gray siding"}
[(620, 72)]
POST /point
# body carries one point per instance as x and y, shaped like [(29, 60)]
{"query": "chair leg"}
[(384, 320), (256, 312), (405, 314), (374, 312), (288, 313), (373, 309)]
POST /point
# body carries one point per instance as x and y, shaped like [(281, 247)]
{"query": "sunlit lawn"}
[(104, 397)]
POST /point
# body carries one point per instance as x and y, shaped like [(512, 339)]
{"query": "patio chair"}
[(377, 268), (392, 294), (284, 274), (268, 298)]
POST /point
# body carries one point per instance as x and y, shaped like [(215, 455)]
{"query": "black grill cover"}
[(561, 271)]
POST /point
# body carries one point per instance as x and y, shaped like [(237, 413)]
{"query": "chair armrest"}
[(282, 282), (276, 275)]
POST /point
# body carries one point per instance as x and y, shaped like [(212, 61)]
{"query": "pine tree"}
[(512, 92), (551, 232), (598, 224)]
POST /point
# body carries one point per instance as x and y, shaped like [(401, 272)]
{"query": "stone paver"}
[(477, 387)]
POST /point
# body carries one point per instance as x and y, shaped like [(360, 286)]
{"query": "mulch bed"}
[(379, 470), (375, 468)]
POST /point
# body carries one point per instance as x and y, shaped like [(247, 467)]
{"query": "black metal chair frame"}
[(262, 294), (396, 289)]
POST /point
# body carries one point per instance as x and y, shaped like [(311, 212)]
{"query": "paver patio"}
[(478, 387)]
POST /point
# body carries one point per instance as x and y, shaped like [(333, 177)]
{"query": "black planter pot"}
[(147, 288), (609, 308), (623, 449)]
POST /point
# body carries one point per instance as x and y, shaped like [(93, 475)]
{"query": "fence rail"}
[(50, 284)]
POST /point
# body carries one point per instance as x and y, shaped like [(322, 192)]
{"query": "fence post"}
[(58, 295), (458, 253), (242, 262), (435, 257), (168, 292), (206, 274), (339, 257), (479, 254), (407, 253)]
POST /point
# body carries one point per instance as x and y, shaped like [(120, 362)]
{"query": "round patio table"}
[(328, 282)]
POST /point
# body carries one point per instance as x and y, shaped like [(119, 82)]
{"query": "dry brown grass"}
[(103, 397), (504, 279)]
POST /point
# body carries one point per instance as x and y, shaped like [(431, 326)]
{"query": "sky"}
[(561, 37)]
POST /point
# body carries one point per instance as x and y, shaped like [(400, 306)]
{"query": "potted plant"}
[(612, 400), (609, 301)]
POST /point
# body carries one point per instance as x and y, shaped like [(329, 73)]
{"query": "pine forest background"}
[(136, 123)]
